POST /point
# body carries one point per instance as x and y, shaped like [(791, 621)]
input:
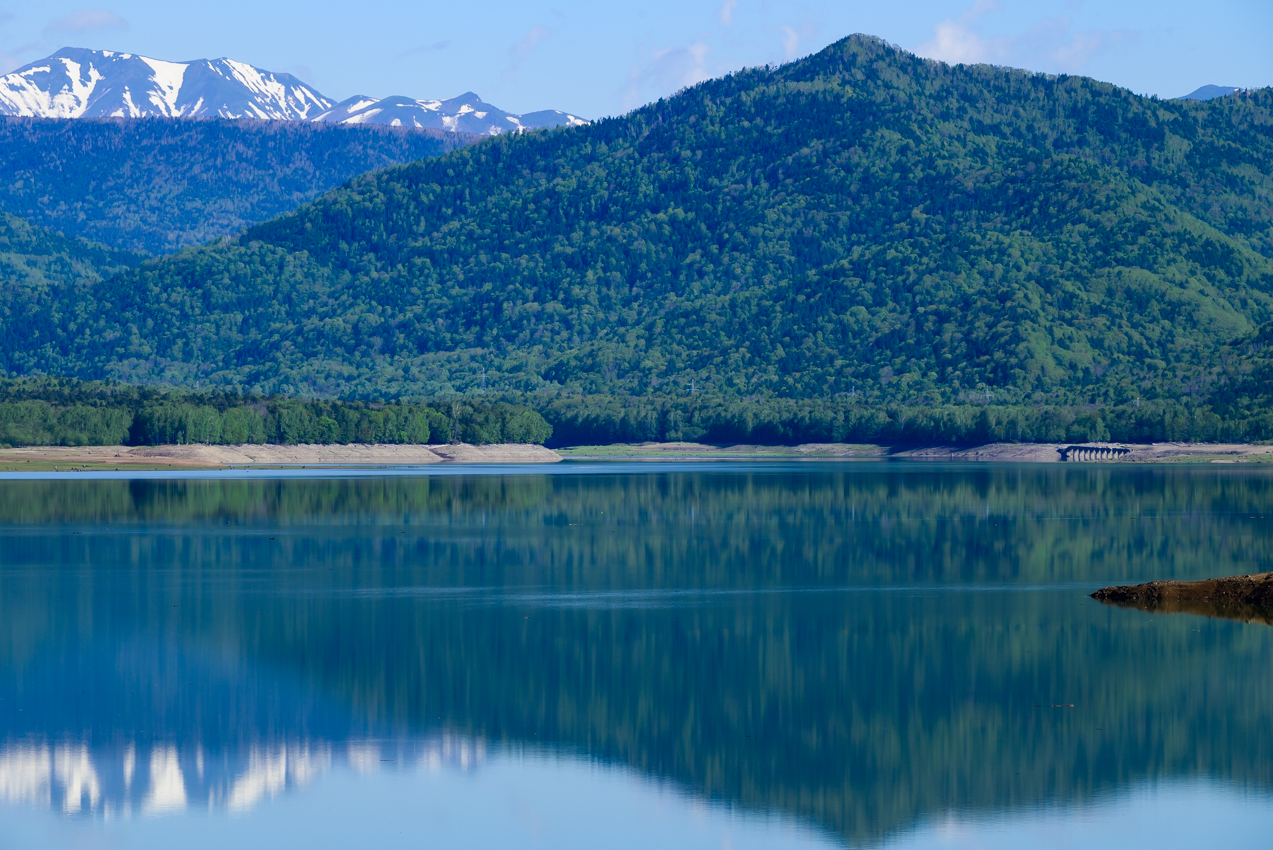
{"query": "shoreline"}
[(305, 455), (373, 455), (1074, 453)]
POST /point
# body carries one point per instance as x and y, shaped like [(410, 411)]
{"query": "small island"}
[(1246, 598)]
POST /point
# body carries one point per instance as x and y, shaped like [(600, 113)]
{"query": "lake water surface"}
[(796, 655)]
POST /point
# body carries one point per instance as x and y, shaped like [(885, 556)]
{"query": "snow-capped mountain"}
[(467, 113), (75, 83), (78, 83)]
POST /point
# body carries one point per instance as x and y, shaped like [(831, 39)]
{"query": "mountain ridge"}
[(82, 83), (861, 224), (1210, 92)]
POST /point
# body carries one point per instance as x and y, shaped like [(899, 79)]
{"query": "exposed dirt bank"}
[(212, 457), (1246, 598), (219, 457), (701, 451), (998, 452), (1101, 452)]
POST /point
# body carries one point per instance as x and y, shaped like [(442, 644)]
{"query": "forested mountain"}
[(861, 224), (160, 184)]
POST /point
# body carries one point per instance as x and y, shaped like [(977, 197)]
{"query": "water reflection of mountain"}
[(164, 778), (693, 627)]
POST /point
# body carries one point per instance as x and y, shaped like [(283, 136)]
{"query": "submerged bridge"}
[(1076, 453)]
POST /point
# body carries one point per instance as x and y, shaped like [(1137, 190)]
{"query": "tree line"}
[(73, 413), (599, 420), (52, 411)]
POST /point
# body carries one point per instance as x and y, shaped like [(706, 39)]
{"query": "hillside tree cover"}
[(859, 229)]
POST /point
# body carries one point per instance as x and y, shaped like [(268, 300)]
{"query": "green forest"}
[(862, 244), (41, 412)]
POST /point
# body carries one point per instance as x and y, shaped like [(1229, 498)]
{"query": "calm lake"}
[(798, 655)]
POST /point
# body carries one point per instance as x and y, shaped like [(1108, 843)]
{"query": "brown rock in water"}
[(1245, 598)]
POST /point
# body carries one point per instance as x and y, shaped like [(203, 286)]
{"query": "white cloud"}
[(726, 12), (87, 19), (1051, 45), (955, 41)]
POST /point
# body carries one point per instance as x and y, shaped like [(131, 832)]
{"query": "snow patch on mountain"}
[(467, 113), (78, 83), (75, 83), (167, 79)]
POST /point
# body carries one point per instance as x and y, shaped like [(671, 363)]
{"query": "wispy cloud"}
[(85, 20), (522, 50), (426, 48), (1051, 45), (790, 42), (793, 35), (1063, 49), (726, 12), (304, 73), (669, 69)]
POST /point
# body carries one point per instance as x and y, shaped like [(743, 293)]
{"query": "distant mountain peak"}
[(1210, 92), (466, 113), (80, 83)]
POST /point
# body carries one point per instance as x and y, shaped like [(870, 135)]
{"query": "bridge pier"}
[(1082, 453)]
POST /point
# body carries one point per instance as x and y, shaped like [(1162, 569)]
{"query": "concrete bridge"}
[(1090, 453)]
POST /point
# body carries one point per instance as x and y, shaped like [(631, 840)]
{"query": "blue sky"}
[(597, 59)]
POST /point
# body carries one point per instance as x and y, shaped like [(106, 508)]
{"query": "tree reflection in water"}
[(861, 647)]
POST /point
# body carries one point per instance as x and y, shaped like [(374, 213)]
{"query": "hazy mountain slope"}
[(159, 185), (859, 222), (1210, 92), (42, 256), (37, 265)]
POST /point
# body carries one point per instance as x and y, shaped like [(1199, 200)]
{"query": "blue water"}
[(753, 655)]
